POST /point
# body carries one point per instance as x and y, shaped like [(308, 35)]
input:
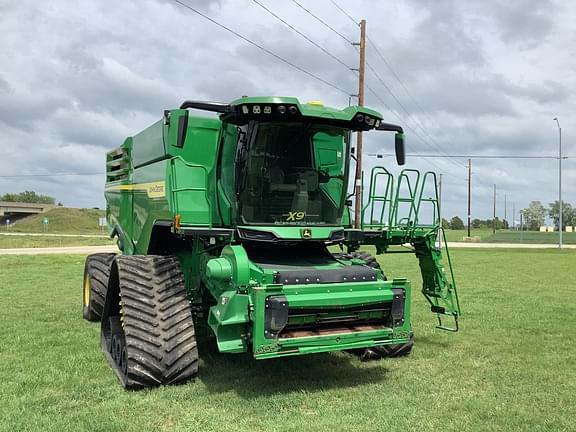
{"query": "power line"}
[(389, 66), (303, 35), (418, 123), (323, 22), (307, 38), (344, 12), (389, 90), (475, 156), (406, 124), (264, 49)]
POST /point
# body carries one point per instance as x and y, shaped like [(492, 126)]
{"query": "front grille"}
[(325, 321)]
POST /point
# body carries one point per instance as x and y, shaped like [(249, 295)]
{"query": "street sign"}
[(102, 221), (45, 221), (7, 221), (45, 224)]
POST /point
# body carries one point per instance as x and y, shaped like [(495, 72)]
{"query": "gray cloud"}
[(487, 76)]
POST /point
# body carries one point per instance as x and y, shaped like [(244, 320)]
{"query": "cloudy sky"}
[(484, 77)]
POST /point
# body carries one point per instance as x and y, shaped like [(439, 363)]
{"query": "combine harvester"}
[(226, 223)]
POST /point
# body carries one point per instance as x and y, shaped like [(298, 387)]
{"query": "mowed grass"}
[(458, 235), (511, 236), (530, 237), (10, 242), (511, 368), (62, 220)]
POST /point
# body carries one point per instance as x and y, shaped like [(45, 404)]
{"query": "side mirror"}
[(182, 128), (400, 149), (348, 202)]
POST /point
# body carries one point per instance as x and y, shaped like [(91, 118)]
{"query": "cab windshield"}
[(293, 174)]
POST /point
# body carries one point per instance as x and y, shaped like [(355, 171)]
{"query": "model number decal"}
[(295, 216)]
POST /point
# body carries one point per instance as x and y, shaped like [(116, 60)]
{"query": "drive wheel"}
[(147, 331), (95, 284)]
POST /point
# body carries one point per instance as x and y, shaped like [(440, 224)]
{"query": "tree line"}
[(458, 224), (28, 197), (535, 214), (533, 217)]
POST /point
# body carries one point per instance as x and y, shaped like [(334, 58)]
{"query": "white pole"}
[(559, 180)]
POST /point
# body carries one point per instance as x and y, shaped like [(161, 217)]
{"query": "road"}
[(53, 235), (508, 245), (85, 250)]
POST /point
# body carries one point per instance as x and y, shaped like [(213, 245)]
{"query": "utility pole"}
[(494, 218), (440, 210), (505, 211), (358, 177), (469, 179), (513, 215), (559, 180)]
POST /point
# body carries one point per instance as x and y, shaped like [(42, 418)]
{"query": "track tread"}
[(158, 326), (98, 268)]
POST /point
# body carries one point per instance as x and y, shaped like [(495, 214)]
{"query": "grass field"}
[(511, 368), (506, 236), (457, 235), (62, 220), (9, 242)]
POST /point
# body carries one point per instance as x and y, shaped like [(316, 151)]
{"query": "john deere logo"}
[(306, 233)]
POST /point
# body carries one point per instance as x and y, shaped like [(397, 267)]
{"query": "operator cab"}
[(291, 173), (286, 163)]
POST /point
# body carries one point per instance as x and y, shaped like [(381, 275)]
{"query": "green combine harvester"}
[(232, 224)]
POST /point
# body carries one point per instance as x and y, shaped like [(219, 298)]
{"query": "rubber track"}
[(368, 258), (158, 326), (385, 351), (98, 267)]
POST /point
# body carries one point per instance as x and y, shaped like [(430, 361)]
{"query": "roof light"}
[(245, 109), (315, 103), (292, 109), (281, 109), (267, 110), (256, 109), (360, 118)]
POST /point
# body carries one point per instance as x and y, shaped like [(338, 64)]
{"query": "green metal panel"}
[(148, 145), (189, 192), (150, 178)]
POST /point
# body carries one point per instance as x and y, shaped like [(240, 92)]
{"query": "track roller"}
[(95, 284), (148, 333)]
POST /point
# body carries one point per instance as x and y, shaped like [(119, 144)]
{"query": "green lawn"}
[(529, 237), (511, 368), (509, 236), (9, 242), (458, 235), (62, 220)]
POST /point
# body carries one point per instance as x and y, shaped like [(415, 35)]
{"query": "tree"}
[(445, 224), (28, 197), (456, 223), (476, 223), (534, 215), (568, 213)]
